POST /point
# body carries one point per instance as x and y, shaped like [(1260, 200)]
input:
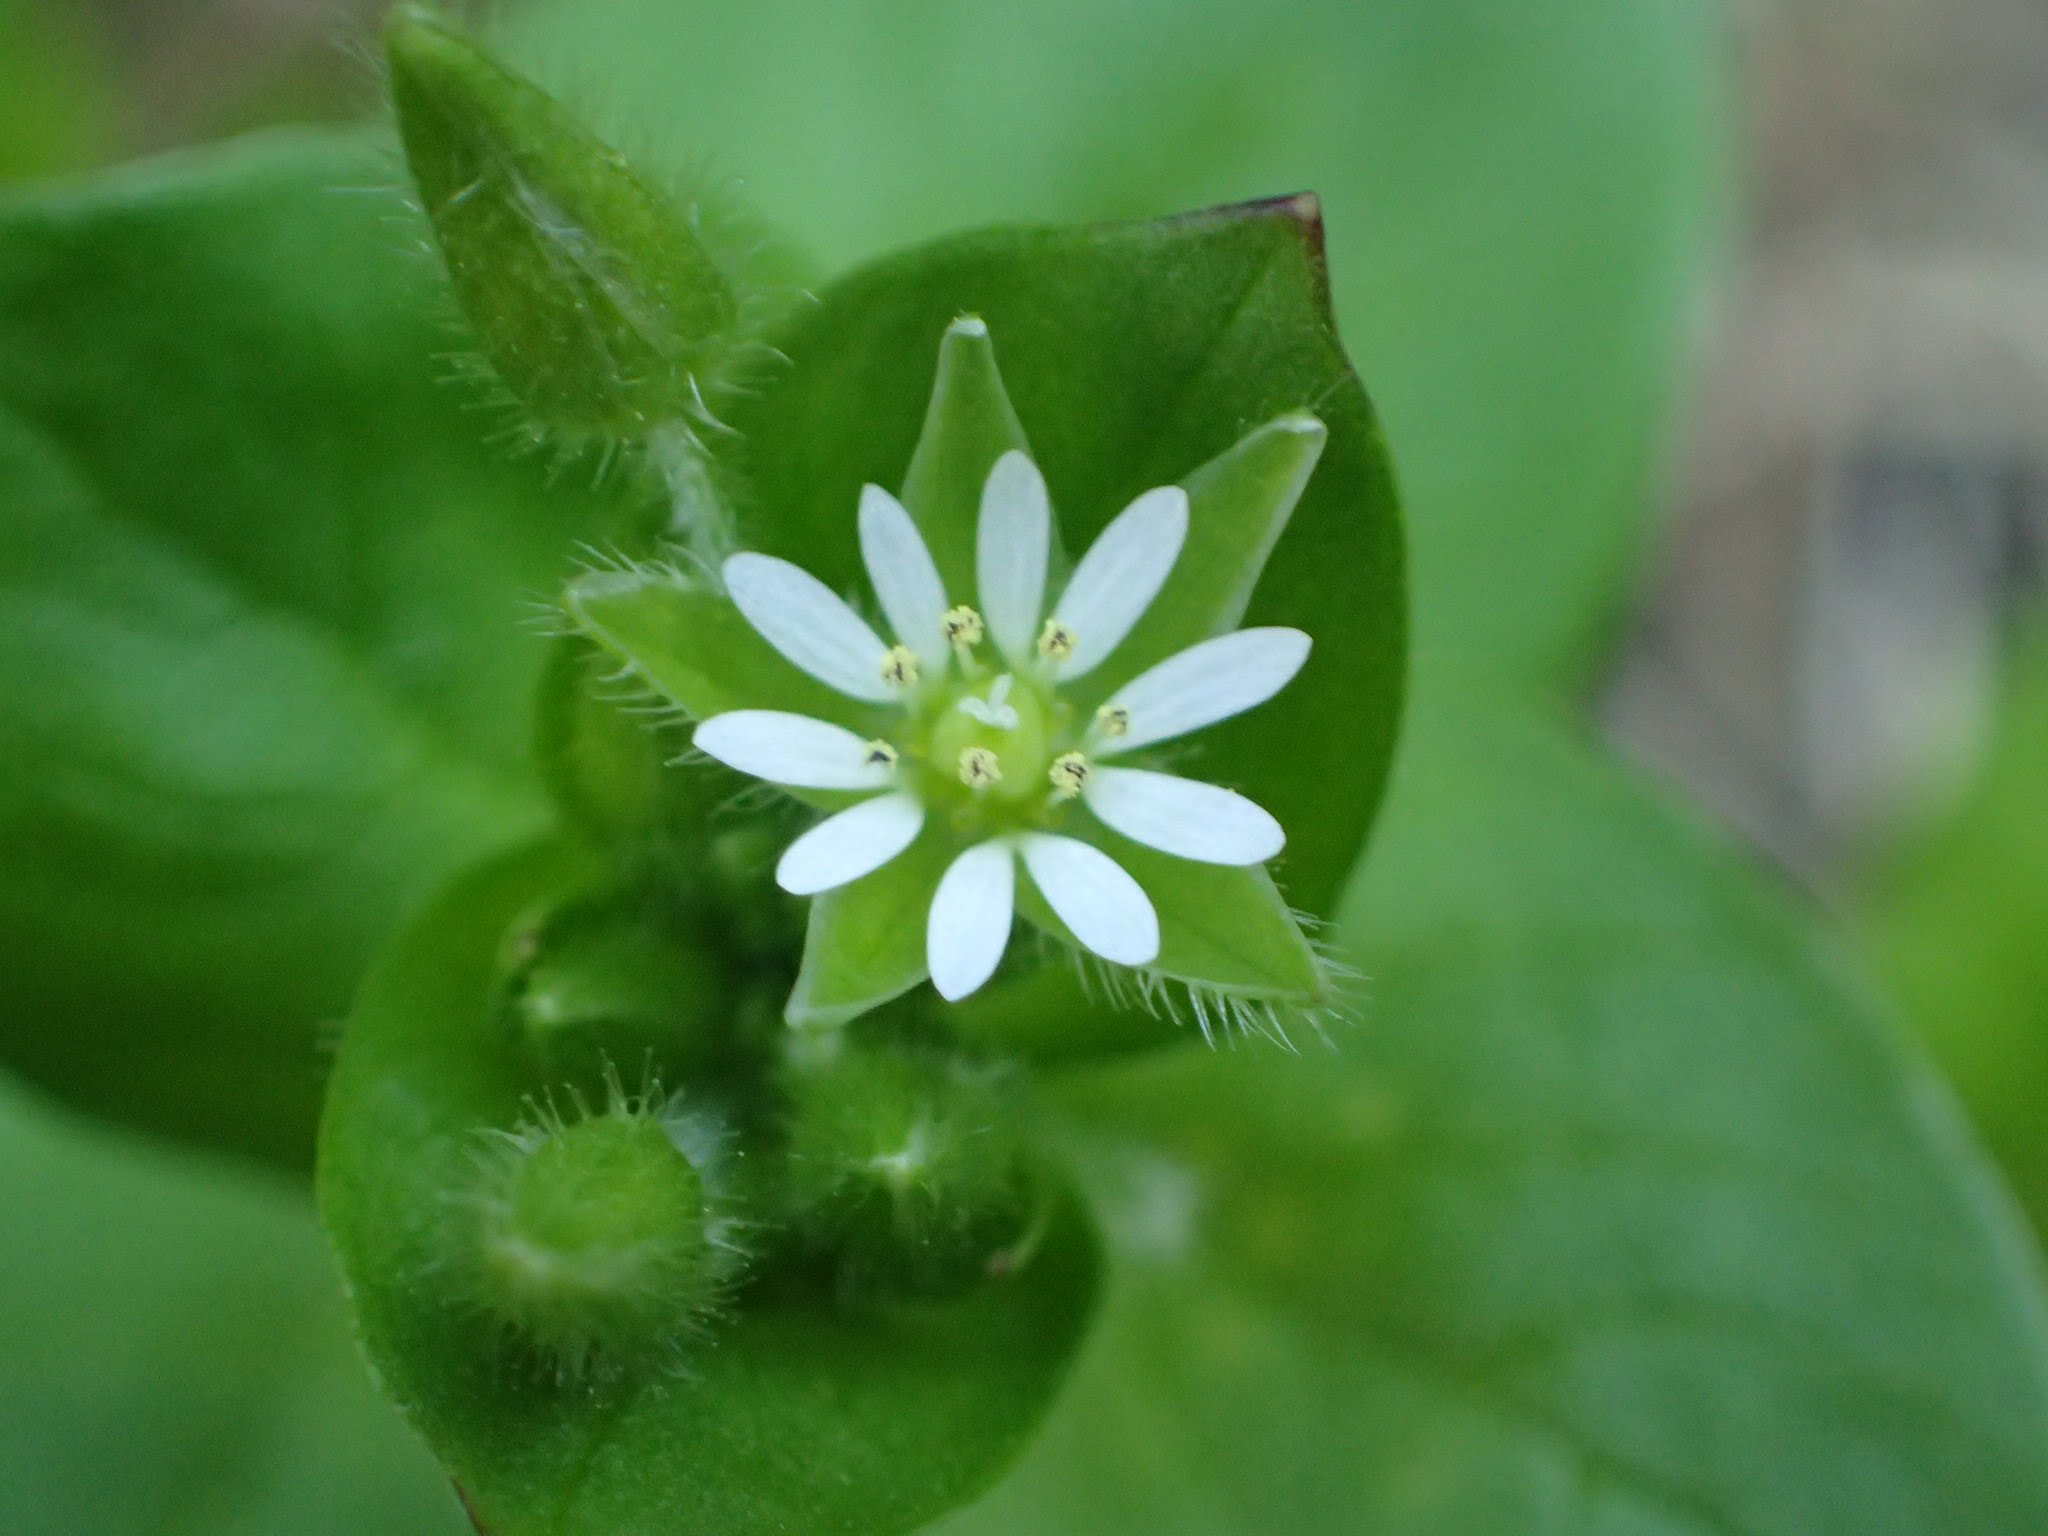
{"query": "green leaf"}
[(178, 1359), (866, 941), (798, 1412), (1619, 1213), (1952, 918), (968, 425), (595, 296), (280, 682), (1523, 207)]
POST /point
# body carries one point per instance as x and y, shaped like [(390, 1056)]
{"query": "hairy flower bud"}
[(907, 1168), (600, 1239)]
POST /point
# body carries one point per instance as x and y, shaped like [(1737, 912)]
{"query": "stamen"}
[(880, 754), (899, 666), (963, 628), (1112, 721), (1055, 641), (980, 768), (1069, 775)]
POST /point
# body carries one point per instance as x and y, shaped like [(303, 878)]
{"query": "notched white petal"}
[(1182, 817), (1013, 541), (1203, 684), (794, 750), (856, 842), (1120, 575), (1095, 897), (969, 927), (905, 579), (809, 624)]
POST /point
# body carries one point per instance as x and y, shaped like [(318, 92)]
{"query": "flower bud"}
[(598, 1239), (595, 296), (906, 1169)]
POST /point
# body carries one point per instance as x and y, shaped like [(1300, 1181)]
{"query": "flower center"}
[(994, 738)]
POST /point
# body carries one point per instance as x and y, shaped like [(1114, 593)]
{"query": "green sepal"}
[(1225, 932), (1225, 929), (866, 941), (1239, 504), (595, 296), (603, 768), (691, 646), (968, 425)]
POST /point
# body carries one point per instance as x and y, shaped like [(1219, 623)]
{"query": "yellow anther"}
[(880, 755), (963, 628), (1069, 775), (899, 666), (1055, 641), (1112, 721), (979, 768)]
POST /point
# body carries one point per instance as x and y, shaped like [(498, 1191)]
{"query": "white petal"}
[(1012, 544), (970, 919), (905, 580), (810, 624), (1206, 683), (791, 749), (1120, 575), (1103, 906), (842, 848), (1183, 817)]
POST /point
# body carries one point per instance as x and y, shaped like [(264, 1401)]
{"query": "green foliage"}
[(1522, 201), (1615, 1211), (178, 1357), (597, 298), (56, 103), (799, 1412), (1955, 918), (1619, 1214), (262, 588)]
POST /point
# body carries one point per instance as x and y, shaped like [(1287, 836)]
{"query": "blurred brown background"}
[(1859, 514)]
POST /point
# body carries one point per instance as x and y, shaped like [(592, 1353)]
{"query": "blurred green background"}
[(1712, 346)]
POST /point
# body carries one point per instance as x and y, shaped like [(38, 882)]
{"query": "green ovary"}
[(1022, 752)]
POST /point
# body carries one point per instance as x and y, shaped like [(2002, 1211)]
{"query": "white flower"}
[(991, 742)]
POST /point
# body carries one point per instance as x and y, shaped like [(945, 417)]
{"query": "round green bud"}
[(597, 1240), (906, 1169)]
